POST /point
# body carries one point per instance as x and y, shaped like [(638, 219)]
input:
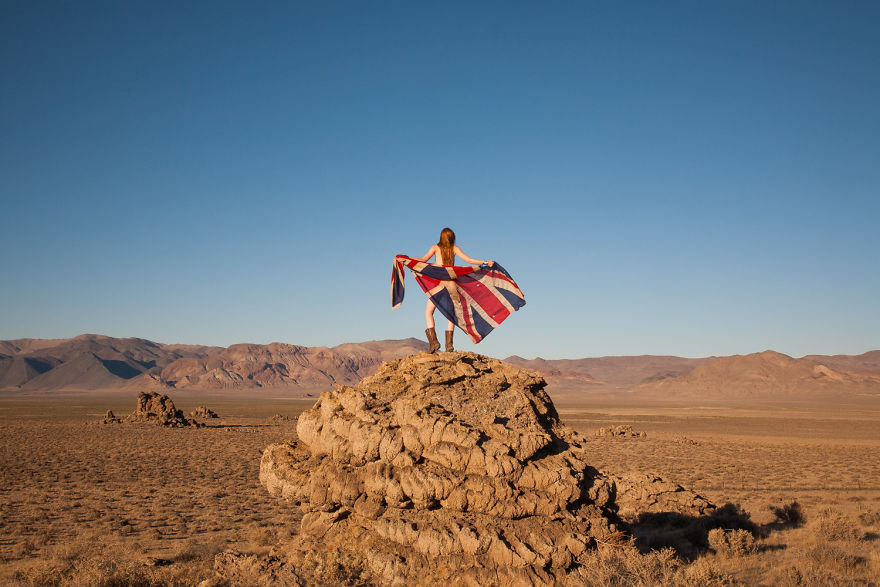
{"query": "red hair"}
[(447, 246)]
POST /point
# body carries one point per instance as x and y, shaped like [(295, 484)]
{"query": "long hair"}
[(447, 246)]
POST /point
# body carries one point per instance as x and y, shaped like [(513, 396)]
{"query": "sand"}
[(83, 502)]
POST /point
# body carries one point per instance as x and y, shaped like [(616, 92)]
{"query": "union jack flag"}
[(476, 299)]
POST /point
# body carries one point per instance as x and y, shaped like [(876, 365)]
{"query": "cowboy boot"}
[(433, 343), (449, 347)]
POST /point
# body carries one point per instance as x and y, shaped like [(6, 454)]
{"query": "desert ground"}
[(87, 503)]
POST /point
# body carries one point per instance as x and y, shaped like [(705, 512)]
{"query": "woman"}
[(444, 253)]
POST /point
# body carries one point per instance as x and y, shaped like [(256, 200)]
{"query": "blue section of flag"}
[(476, 299)]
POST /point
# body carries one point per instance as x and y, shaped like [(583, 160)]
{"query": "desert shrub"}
[(24, 548), (874, 562), (790, 514), (610, 566), (818, 568), (829, 525), (625, 566), (732, 517), (340, 568), (263, 536), (92, 571), (732, 543), (830, 557), (870, 518), (703, 573), (794, 576), (688, 535), (718, 540), (88, 560), (193, 549)]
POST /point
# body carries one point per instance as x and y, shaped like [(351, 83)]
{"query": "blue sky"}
[(688, 178)]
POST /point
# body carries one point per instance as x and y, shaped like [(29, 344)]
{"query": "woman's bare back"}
[(457, 252)]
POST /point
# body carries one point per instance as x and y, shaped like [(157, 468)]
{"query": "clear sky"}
[(689, 178)]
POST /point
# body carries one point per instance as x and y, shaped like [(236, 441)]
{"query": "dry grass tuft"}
[(819, 565), (732, 543), (90, 560), (797, 576), (194, 550), (831, 525), (704, 573), (617, 539), (789, 514), (874, 562), (870, 518), (832, 557), (828, 555), (625, 566)]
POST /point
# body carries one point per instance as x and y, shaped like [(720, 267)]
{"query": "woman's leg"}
[(433, 343), (429, 317), (429, 314)]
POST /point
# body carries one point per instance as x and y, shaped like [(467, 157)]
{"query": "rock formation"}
[(621, 431), (159, 409), (110, 418), (647, 493), (451, 467), (203, 412)]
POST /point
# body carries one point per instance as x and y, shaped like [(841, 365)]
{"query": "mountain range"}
[(96, 362)]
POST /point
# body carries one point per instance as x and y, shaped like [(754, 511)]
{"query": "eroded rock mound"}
[(622, 431), (640, 493), (203, 412), (451, 467), (110, 418), (159, 409)]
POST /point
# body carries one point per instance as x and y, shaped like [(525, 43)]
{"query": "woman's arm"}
[(467, 259), (429, 254)]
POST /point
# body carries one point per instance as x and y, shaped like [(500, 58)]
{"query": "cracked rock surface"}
[(446, 467)]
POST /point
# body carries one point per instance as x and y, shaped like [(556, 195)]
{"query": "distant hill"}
[(615, 371), (89, 361), (285, 365), (769, 374), (865, 363), (92, 362)]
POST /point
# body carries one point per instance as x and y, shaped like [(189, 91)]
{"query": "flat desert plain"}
[(86, 503)]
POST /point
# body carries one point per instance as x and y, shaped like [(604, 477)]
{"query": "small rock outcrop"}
[(278, 419), (641, 493), (159, 409), (451, 467), (110, 418), (622, 431), (203, 412)]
